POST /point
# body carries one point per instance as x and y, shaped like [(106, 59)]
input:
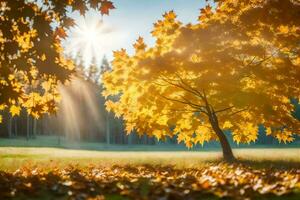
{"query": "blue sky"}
[(134, 18)]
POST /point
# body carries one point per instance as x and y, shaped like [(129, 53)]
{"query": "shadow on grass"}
[(269, 164)]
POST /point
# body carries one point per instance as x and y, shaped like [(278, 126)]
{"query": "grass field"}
[(42, 168), (56, 173), (12, 158), (48, 151)]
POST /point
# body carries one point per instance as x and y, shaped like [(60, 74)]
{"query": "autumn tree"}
[(235, 69), (32, 63)]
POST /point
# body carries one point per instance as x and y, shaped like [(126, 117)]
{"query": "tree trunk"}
[(10, 125), (28, 127), (34, 128), (226, 148), (16, 127), (107, 129)]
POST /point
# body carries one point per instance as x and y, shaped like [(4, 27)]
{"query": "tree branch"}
[(238, 111), (222, 110), (197, 107)]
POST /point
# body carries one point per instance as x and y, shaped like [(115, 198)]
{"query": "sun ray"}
[(87, 40)]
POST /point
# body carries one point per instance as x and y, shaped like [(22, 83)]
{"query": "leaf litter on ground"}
[(213, 181)]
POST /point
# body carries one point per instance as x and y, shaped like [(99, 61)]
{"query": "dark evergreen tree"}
[(105, 66), (93, 72)]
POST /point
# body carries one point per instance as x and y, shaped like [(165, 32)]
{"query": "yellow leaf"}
[(158, 134), (15, 110), (268, 131), (163, 120), (283, 29), (43, 57), (285, 100), (285, 136), (11, 77), (46, 85), (110, 105), (227, 124), (129, 127), (246, 133), (2, 106)]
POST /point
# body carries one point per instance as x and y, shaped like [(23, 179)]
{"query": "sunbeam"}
[(79, 110), (89, 39)]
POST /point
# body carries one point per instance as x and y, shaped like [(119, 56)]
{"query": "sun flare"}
[(88, 40)]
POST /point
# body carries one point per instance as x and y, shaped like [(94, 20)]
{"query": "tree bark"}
[(34, 133), (16, 127), (107, 129), (226, 148), (10, 125), (28, 127)]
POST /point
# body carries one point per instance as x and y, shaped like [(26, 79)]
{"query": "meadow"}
[(12, 158), (139, 173)]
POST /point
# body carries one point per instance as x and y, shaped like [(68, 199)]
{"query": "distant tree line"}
[(103, 128)]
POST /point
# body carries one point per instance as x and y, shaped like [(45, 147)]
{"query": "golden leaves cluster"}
[(241, 57), (32, 61)]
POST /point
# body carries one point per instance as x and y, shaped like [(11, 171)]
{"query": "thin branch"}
[(179, 86), (250, 61), (179, 101), (222, 110), (200, 106), (183, 110), (238, 111), (190, 87)]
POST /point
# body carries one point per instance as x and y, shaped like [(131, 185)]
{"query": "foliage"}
[(149, 182), (235, 69), (31, 55)]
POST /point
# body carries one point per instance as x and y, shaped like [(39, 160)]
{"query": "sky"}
[(130, 19)]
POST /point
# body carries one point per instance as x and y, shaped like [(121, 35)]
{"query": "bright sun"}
[(88, 40)]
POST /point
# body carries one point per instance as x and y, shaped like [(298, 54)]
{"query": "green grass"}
[(47, 152), (12, 158)]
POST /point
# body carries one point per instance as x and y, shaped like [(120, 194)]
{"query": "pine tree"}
[(104, 65), (93, 72), (80, 69)]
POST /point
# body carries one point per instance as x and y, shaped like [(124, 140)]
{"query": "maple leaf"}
[(139, 45), (268, 131), (106, 6), (15, 110), (68, 22), (60, 32), (129, 127), (283, 29), (227, 124), (94, 3), (162, 120)]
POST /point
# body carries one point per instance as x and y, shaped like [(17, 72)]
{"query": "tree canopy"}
[(235, 69), (31, 54)]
